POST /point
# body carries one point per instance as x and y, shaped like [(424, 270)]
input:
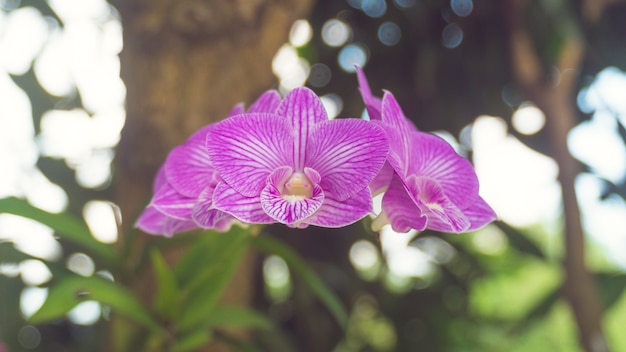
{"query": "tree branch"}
[(555, 99)]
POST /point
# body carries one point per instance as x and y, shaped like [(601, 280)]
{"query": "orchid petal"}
[(372, 103), (380, 183), (203, 212), (267, 102), (160, 180), (246, 209), (393, 116), (348, 154), (304, 110), (434, 158), (172, 203), (285, 208), (442, 214), (245, 149), (237, 110), (154, 222), (188, 168), (400, 209), (479, 214), (334, 213)]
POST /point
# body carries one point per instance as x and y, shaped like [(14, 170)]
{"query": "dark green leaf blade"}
[(519, 241), (67, 226), (167, 294), (72, 290)]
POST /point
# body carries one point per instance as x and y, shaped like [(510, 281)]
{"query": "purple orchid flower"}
[(183, 198), (431, 186), (156, 222), (296, 166)]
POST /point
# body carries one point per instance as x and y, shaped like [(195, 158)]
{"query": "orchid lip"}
[(297, 187)]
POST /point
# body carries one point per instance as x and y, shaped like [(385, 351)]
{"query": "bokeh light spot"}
[(102, 220), (452, 36), (86, 313), (31, 299), (34, 272), (301, 33), (333, 104), (29, 337), (277, 278), (320, 75), (374, 8), (389, 33), (81, 264), (363, 255), (528, 119), (490, 241), (350, 55), (462, 8), (335, 32)]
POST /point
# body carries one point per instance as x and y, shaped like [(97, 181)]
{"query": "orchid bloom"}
[(295, 166), (184, 188), (431, 186), (156, 222)]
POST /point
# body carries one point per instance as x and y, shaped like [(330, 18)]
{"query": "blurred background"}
[(533, 92)]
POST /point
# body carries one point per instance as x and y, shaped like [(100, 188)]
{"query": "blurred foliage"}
[(480, 300)]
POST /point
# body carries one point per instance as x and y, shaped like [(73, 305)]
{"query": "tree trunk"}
[(185, 63)]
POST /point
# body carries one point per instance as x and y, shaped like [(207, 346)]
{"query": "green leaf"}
[(192, 341), (542, 309), (610, 287), (234, 316), (308, 276), (208, 247), (67, 226), (520, 241), (10, 254), (166, 298), (222, 254), (71, 290)]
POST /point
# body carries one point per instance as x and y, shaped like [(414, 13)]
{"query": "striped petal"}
[(154, 222), (159, 180), (442, 214), (400, 209), (372, 104), (380, 183), (479, 214), (245, 149), (348, 154), (288, 209), (245, 209), (434, 158), (236, 110), (304, 110), (172, 203), (267, 102), (188, 168), (204, 214), (393, 116), (334, 213)]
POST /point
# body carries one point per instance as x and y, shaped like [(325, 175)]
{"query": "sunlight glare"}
[(518, 182), (101, 219), (528, 119)]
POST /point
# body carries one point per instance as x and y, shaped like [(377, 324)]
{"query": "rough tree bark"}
[(555, 98), (185, 63)]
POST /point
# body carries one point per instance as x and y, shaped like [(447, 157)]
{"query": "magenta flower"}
[(432, 186), (296, 167), (183, 192), (155, 222)]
